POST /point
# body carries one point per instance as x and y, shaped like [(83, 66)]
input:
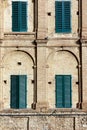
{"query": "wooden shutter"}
[(67, 91), (14, 102), (59, 91), (18, 91), (62, 16), (67, 17), (63, 91), (58, 16), (15, 16), (23, 16), (22, 91), (19, 16)]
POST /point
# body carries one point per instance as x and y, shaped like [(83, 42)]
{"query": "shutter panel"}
[(67, 91), (14, 102), (67, 17), (15, 16), (23, 16), (58, 16), (22, 91), (19, 16), (59, 91)]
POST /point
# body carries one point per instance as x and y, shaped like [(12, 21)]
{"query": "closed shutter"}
[(19, 16), (67, 91), (59, 91), (67, 17), (62, 16), (18, 91), (23, 16), (22, 91), (58, 15), (14, 102), (63, 91), (15, 16)]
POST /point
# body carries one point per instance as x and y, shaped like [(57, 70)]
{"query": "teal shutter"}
[(63, 91), (22, 91), (15, 16), (23, 16), (19, 16), (18, 91), (67, 17), (59, 91), (14, 103), (67, 91), (62, 16), (58, 16)]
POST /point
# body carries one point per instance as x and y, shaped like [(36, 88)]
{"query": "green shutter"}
[(59, 91), (58, 16), (62, 16), (23, 16), (14, 102), (67, 17), (15, 16), (63, 91), (19, 16), (18, 91), (22, 91), (67, 91)]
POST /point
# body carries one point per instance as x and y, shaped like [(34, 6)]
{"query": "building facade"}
[(43, 64)]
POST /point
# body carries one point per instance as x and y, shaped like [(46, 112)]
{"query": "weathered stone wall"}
[(43, 121)]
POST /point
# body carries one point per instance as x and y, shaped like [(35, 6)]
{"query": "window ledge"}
[(19, 35)]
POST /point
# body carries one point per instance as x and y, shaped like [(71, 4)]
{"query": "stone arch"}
[(62, 62), (17, 63)]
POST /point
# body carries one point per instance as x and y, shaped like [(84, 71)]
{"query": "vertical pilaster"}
[(41, 19), (41, 74), (84, 19), (1, 19), (84, 74)]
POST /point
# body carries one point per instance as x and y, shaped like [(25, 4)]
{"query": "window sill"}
[(19, 35)]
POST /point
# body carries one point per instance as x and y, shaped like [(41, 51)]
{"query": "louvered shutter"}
[(67, 91), (62, 16), (14, 98), (15, 16), (59, 91), (23, 16), (19, 16), (58, 16), (67, 17), (22, 91)]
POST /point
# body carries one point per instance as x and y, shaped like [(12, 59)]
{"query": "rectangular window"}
[(62, 16), (63, 91), (18, 96), (19, 16)]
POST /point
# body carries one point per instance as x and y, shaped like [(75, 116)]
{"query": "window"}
[(18, 91), (63, 91), (19, 16), (62, 17)]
